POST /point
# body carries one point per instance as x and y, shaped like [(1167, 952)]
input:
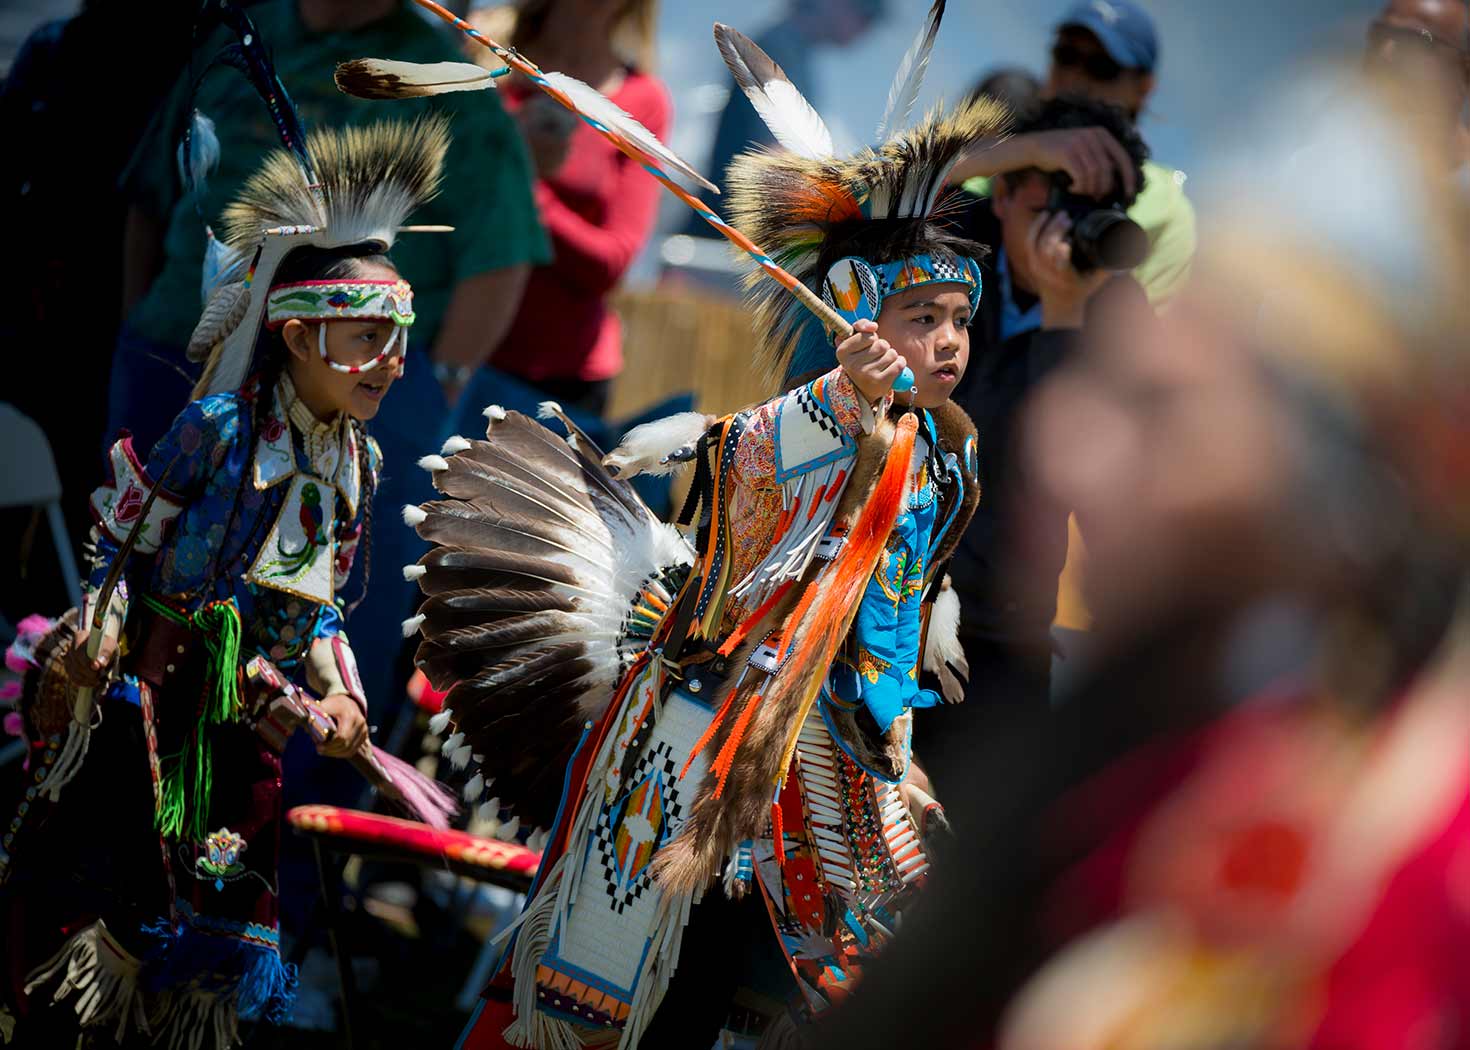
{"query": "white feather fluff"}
[(413, 572), (454, 445), (203, 155), (474, 788), (793, 121), (452, 744), (440, 722), (904, 91), (433, 463), (459, 758), (592, 103), (494, 413), (645, 449), (508, 830), (412, 624), (943, 654), (413, 516)]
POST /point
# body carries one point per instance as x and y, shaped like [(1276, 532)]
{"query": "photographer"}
[(1039, 289), (1107, 51)]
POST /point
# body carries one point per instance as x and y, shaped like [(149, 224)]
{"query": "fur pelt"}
[(955, 429), (888, 751), (884, 752), (717, 825)]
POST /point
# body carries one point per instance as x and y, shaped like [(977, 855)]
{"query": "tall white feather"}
[(797, 126), (593, 103), (904, 91)]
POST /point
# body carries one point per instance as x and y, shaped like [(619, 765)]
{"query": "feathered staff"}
[(378, 79)]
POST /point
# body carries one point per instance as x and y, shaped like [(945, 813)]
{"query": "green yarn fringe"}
[(188, 776)]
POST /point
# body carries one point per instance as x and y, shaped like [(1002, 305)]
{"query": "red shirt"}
[(599, 210)]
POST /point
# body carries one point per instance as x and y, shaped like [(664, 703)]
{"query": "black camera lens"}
[(1102, 235), (1106, 239)]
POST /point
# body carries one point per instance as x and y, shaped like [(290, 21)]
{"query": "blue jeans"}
[(150, 385)]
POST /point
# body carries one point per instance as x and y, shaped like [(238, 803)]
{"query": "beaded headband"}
[(856, 288), (340, 301)]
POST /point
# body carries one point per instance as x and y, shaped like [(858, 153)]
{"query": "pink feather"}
[(20, 657), (424, 797)]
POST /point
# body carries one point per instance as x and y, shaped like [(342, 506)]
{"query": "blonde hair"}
[(517, 24)]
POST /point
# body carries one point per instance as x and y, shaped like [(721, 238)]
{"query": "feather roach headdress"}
[(367, 182), (853, 229), (350, 188)]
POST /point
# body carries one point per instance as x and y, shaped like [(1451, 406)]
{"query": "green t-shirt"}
[(485, 195), (1166, 215)]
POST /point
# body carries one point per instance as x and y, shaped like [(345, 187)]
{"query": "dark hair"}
[(1017, 88), (1075, 111), (322, 264)]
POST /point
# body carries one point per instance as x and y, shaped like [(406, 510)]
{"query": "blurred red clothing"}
[(599, 209), (1241, 829)]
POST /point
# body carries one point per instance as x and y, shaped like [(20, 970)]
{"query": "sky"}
[(1215, 55), (1217, 59)]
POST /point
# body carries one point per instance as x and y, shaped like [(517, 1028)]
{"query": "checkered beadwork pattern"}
[(606, 936), (922, 269), (816, 415), (658, 765)]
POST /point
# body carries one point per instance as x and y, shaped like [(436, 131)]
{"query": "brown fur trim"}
[(717, 825), (955, 428), (886, 753)]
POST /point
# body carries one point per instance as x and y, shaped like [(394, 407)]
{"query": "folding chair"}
[(338, 833), (29, 478)]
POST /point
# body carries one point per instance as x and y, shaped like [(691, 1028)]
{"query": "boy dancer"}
[(743, 706)]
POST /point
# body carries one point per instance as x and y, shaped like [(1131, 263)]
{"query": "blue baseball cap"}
[(1124, 29)]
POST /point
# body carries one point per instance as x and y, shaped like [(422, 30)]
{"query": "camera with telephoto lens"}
[(1102, 235)]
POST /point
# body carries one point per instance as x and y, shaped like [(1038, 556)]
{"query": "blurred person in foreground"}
[(468, 281), (1422, 47), (1108, 51), (598, 205), (1030, 321), (1251, 827)]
